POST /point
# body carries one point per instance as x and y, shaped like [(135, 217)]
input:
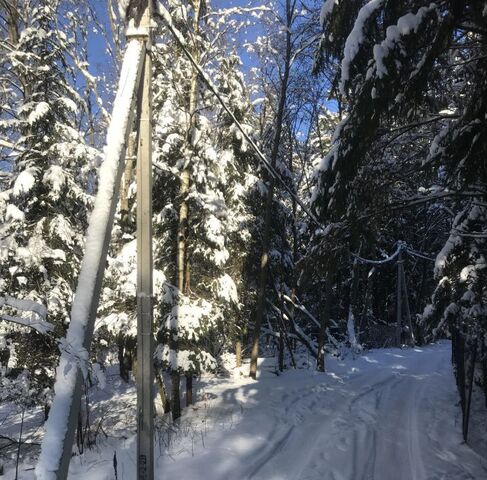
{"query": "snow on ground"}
[(388, 414)]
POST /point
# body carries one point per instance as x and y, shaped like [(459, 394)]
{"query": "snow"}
[(352, 338), (123, 6), (13, 213), (55, 176), (32, 322), (37, 251), (62, 228), (33, 314), (387, 259), (25, 181), (388, 414), (69, 104), (39, 111), (25, 305), (189, 317), (67, 371), (186, 360), (405, 25), (226, 289), (326, 10), (454, 240), (355, 39)]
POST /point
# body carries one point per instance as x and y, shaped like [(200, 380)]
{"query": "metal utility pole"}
[(145, 342)]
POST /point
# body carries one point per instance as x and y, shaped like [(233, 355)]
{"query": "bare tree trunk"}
[(166, 404), (238, 353), (484, 369), (189, 389), (115, 29), (134, 367), (325, 319), (399, 301), (406, 305), (351, 295), (262, 282), (264, 262), (458, 353), (363, 324), (124, 371), (12, 21), (12, 16), (281, 349), (419, 301), (285, 336), (175, 397), (471, 364), (183, 267)]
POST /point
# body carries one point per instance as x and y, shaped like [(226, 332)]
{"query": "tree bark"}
[(281, 349), (238, 353), (325, 320), (189, 389), (459, 354), (166, 404), (175, 396), (264, 262), (12, 18), (406, 305), (363, 324), (484, 370), (399, 301), (472, 361), (183, 266)]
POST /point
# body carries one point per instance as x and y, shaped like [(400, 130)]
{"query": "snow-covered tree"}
[(202, 221), (43, 210), (412, 77)]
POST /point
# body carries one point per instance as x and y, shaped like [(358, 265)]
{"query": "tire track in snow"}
[(304, 403), (363, 430), (276, 448)]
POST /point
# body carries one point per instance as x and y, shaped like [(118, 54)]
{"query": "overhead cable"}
[(163, 13)]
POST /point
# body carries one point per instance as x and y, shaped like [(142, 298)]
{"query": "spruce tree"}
[(44, 207)]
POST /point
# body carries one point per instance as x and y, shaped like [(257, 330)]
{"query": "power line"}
[(419, 255), (383, 261), (400, 246), (164, 14)]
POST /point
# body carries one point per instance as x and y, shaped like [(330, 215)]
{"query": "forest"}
[(243, 239)]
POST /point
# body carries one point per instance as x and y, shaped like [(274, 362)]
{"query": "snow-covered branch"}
[(37, 319)]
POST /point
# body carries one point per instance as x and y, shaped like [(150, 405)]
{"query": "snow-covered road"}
[(388, 415)]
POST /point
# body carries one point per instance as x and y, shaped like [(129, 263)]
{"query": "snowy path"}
[(388, 415)]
